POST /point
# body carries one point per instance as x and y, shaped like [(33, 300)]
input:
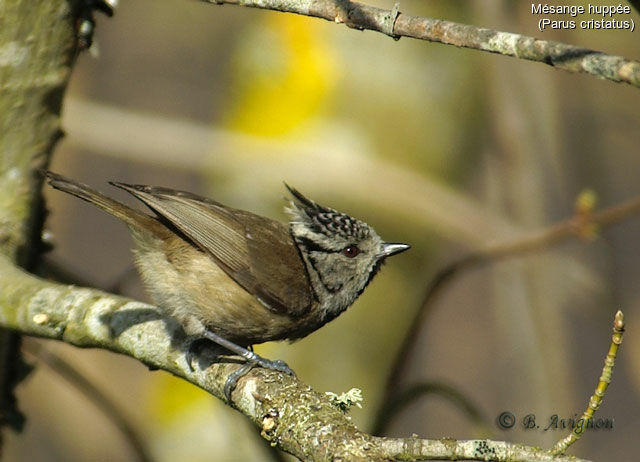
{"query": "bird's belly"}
[(200, 295)]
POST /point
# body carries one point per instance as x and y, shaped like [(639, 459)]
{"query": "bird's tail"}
[(134, 218)]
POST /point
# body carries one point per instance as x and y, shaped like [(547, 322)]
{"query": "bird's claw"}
[(232, 380), (277, 365)]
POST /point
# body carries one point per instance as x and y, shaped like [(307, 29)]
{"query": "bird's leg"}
[(252, 360)]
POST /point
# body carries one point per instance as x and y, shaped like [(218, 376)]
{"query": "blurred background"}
[(447, 149)]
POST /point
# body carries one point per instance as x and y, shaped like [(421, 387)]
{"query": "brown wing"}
[(257, 252)]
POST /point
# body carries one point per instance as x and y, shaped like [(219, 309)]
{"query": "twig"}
[(596, 399), (393, 23), (289, 414), (582, 225)]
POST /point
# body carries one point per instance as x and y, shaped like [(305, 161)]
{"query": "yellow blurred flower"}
[(283, 75)]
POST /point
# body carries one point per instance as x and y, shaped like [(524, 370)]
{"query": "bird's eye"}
[(351, 251)]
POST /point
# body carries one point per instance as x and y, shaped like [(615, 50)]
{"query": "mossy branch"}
[(287, 412), (36, 53)]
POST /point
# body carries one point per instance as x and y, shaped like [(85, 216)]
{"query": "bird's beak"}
[(391, 248)]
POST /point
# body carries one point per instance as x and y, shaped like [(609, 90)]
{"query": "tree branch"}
[(584, 224), (601, 389), (36, 53), (289, 414), (395, 24)]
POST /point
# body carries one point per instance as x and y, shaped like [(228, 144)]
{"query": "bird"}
[(237, 278)]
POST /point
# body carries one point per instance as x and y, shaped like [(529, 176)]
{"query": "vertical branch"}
[(36, 52)]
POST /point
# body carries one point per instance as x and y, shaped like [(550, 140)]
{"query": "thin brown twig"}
[(395, 24), (581, 225)]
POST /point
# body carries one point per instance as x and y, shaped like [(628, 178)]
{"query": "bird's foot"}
[(257, 361), (252, 360)]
